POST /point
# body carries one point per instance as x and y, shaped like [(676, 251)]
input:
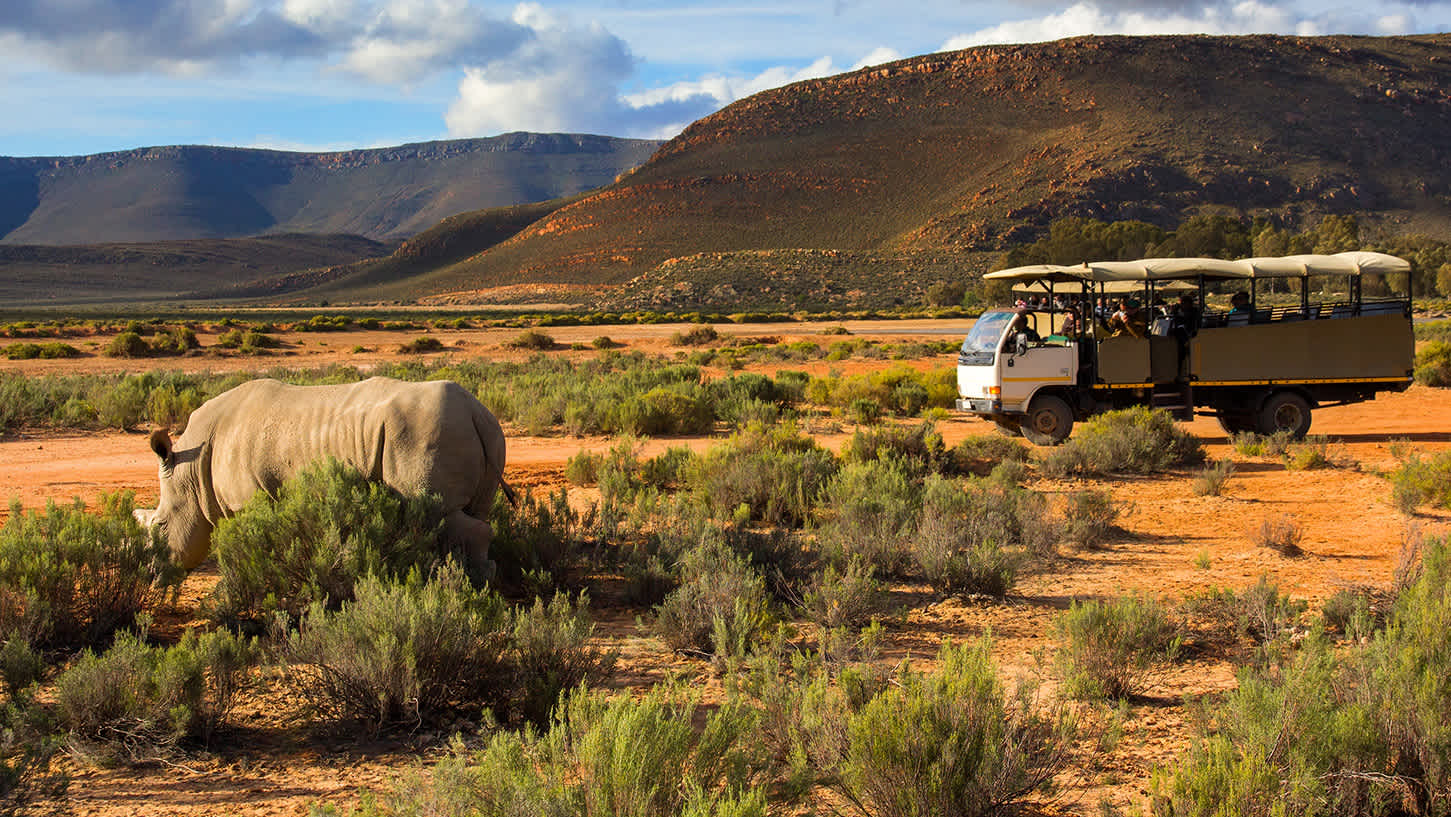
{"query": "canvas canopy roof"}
[(1119, 287), (1168, 269)]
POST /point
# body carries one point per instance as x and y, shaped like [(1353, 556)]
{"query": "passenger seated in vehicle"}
[(1128, 321), (1186, 316), (1239, 302), (1069, 328)]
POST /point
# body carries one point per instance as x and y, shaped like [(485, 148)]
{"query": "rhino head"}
[(185, 496)]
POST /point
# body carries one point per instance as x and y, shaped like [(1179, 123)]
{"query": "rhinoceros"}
[(417, 438)]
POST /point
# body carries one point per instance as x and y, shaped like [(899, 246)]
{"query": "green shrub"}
[(167, 407), (421, 345), (969, 540), (327, 528), (919, 447), (28, 773), (1089, 518), (719, 606), (20, 666), (865, 411), (401, 653), (69, 577), (31, 351), (1260, 613), (175, 340), (600, 757), (127, 344), (951, 742), (531, 339), (584, 468), (1112, 649), (1355, 730), (605, 342), (549, 654), (1422, 480), (538, 544), (1313, 453), (851, 597), (1136, 440), (1433, 364), (135, 700), (1211, 480), (775, 473), (695, 336), (1251, 444), (676, 409), (978, 455), (868, 511)]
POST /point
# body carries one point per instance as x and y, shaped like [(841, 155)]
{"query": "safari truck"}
[(1303, 334)]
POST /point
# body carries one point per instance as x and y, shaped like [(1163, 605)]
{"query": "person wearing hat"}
[(1129, 321)]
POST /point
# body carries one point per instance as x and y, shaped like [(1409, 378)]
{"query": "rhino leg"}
[(471, 537)]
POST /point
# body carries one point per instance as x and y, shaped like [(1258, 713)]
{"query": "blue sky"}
[(87, 76)]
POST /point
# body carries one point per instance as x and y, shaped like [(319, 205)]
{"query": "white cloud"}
[(877, 57), (1246, 17)]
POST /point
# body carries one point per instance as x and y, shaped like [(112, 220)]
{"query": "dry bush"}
[(1114, 649), (1279, 532), (1211, 481)]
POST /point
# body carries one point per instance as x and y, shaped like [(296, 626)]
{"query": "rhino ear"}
[(161, 444)]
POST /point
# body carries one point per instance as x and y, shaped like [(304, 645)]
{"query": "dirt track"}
[(1352, 536)]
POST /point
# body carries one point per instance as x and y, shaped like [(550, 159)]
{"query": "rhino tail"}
[(487, 427)]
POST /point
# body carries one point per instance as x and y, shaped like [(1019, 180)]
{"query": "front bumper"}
[(979, 405)]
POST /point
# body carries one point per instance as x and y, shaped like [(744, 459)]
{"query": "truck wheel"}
[(1049, 421), (1234, 423), (1285, 411)]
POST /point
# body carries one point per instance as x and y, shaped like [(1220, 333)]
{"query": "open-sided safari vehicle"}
[(1304, 332)]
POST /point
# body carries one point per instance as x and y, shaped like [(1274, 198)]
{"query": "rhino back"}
[(415, 437)]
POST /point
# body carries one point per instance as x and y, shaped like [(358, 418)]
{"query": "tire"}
[(1284, 411), (1235, 422), (1049, 421)]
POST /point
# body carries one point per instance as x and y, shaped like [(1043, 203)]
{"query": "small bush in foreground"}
[(1089, 518), (401, 653), (1251, 444), (868, 511), (69, 577), (1135, 440), (978, 455), (851, 597), (328, 527), (127, 344), (1279, 532), (969, 541), (1356, 730), (1112, 649), (951, 742), (549, 654), (720, 607), (1422, 480), (776, 473), (599, 758), (135, 700), (1211, 481)]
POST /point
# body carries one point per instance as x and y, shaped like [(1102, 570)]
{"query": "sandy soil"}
[(273, 765)]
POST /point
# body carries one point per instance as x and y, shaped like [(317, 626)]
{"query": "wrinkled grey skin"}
[(417, 438)]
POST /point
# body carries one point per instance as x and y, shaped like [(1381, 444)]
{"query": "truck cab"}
[(1262, 366)]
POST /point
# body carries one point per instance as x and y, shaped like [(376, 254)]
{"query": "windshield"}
[(987, 332)]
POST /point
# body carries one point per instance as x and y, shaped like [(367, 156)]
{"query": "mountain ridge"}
[(178, 192)]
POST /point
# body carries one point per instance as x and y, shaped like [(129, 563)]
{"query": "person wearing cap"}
[(1129, 321)]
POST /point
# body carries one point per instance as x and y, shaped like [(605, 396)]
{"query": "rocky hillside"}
[(168, 193), (973, 151)]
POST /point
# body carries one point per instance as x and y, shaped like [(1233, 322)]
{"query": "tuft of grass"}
[(1279, 532), (1211, 480), (1089, 518)]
